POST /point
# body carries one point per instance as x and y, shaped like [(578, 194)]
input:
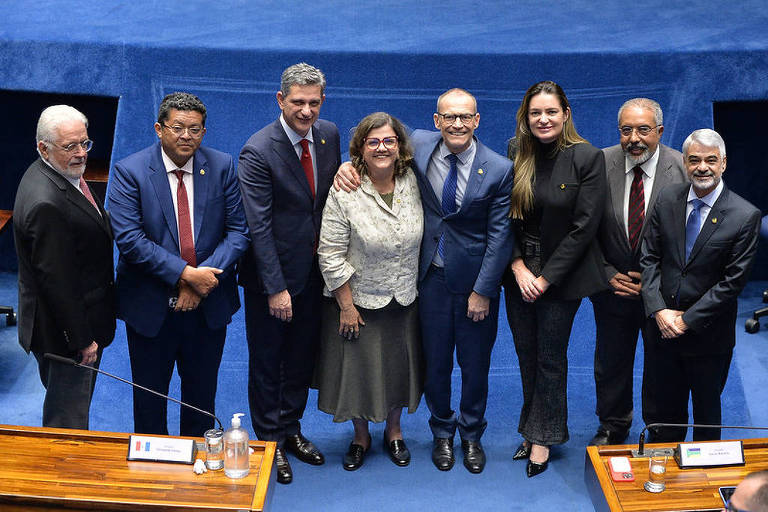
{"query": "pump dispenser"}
[(236, 457)]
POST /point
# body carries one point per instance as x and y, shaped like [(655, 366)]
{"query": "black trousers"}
[(618, 322), (672, 377), (281, 360), (186, 341)]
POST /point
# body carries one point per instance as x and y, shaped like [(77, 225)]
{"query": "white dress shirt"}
[(649, 174), (189, 185), (708, 200), (295, 139)]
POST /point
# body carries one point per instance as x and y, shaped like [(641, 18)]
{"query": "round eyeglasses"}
[(87, 144), (641, 130), (374, 143)]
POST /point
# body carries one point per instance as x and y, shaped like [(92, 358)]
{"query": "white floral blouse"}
[(373, 246)]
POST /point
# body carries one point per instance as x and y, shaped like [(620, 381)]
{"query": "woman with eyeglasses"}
[(370, 364), (557, 202)]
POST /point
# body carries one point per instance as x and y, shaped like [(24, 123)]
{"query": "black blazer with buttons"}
[(571, 211), (707, 285)]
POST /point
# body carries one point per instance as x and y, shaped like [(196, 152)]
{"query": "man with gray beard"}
[(64, 248), (637, 169)]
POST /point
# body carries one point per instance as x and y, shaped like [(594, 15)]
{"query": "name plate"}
[(162, 449), (705, 455)]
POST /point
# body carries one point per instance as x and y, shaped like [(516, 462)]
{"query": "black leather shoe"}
[(523, 451), (442, 453), (303, 449), (474, 456), (284, 472), (397, 450), (355, 456), (603, 437), (535, 468)]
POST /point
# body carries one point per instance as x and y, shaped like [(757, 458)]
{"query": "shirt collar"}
[(648, 167), (294, 137), (708, 199), (464, 156), (170, 166), (74, 181)]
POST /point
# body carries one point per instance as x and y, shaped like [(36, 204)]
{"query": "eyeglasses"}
[(730, 508), (194, 131), (451, 118), (373, 143), (87, 144), (641, 130)]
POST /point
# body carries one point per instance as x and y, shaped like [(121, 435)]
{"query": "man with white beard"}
[(637, 169)]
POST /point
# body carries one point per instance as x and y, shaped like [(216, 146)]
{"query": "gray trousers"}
[(68, 392)]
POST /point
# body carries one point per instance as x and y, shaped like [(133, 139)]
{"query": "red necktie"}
[(306, 163), (87, 193), (186, 243), (636, 207)]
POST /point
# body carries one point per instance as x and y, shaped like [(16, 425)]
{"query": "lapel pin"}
[(322, 141), (202, 172), (479, 171), (714, 220), (398, 200), (562, 186)]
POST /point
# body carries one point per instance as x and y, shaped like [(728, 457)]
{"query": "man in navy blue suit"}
[(180, 229), (285, 172), (465, 190)]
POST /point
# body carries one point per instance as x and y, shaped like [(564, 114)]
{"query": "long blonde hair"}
[(523, 149)]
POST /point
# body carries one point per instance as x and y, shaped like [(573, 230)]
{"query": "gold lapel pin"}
[(714, 220), (479, 171), (322, 141), (398, 200), (202, 172), (562, 186)]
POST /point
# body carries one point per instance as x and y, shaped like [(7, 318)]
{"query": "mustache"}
[(636, 145)]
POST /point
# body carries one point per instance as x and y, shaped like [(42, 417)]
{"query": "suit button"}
[(684, 273), (673, 296)]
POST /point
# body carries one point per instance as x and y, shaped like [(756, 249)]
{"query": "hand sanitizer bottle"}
[(236, 456)]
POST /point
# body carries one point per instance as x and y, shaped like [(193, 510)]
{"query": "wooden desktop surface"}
[(51, 469), (686, 489), (5, 216)]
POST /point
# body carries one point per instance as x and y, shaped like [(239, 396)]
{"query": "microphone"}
[(67, 360), (640, 452)]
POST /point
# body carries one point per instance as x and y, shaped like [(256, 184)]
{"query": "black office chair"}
[(752, 325)]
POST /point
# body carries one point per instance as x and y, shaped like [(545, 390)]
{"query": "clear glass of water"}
[(214, 449), (657, 470)]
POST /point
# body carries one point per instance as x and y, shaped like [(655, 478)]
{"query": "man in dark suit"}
[(285, 172), (64, 248), (637, 170), (180, 229), (695, 259), (465, 189)]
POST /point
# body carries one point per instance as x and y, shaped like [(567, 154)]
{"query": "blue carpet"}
[(379, 485)]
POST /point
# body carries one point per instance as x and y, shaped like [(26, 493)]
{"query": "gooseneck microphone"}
[(67, 360), (640, 452)]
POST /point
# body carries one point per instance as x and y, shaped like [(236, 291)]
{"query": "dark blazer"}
[(283, 218), (707, 286), (614, 243), (572, 209), (64, 249), (478, 235), (146, 233)]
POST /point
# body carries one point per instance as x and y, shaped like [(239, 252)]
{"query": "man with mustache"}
[(64, 249), (695, 260), (285, 172), (637, 170)]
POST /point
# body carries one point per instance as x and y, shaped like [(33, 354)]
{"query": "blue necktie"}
[(449, 198), (692, 227)]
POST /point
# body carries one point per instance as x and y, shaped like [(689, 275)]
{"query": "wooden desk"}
[(686, 489), (5, 216), (52, 468)]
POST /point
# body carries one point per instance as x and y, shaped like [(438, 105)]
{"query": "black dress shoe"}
[(523, 451), (442, 453), (397, 450), (603, 437), (303, 449), (355, 456), (474, 456), (535, 468), (284, 472)]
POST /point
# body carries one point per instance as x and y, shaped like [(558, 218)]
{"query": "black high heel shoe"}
[(523, 451), (536, 468)]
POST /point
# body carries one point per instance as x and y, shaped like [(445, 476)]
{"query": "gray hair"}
[(180, 101), (758, 501), (707, 138), (52, 117), (301, 74), (646, 104)]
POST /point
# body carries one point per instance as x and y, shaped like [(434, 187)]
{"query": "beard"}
[(73, 171), (704, 186), (642, 157)]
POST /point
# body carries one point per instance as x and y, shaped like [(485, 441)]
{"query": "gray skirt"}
[(381, 370)]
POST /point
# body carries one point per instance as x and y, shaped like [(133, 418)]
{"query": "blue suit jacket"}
[(146, 233), (283, 218), (478, 236)]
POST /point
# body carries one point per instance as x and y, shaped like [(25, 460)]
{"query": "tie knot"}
[(697, 204), (304, 144), (452, 158), (638, 171), (179, 174)]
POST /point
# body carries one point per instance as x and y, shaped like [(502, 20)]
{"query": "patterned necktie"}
[(692, 227), (636, 207), (186, 243), (449, 197), (87, 193), (306, 163)]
